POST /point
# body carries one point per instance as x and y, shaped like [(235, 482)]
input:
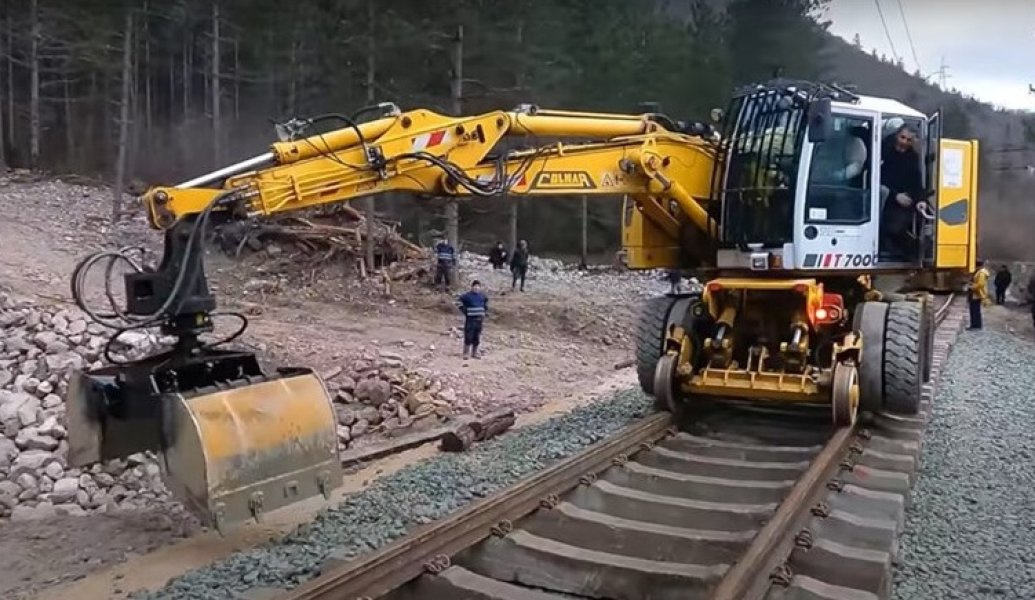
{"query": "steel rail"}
[(748, 578), (406, 559)]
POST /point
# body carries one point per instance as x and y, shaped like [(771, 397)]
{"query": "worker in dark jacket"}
[(475, 306), (498, 256), (902, 193), (1002, 282), (445, 259), (519, 265)]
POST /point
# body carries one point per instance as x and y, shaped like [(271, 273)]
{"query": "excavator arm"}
[(423, 152), (235, 441)]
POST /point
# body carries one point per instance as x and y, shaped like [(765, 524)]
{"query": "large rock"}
[(10, 402), (8, 452), (10, 319), (52, 428), (29, 485), (374, 392), (29, 413), (6, 377), (32, 461), (9, 488), (63, 361), (30, 438), (77, 327), (54, 470), (65, 490)]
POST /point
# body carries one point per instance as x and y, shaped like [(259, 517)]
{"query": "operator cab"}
[(818, 178)]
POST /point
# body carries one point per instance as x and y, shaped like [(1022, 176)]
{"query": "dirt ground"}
[(546, 350)]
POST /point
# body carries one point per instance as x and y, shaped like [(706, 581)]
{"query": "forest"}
[(148, 91)]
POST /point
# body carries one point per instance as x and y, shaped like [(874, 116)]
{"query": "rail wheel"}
[(870, 320), (844, 396), (903, 360), (657, 314), (666, 392)]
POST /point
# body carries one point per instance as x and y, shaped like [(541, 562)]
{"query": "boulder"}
[(65, 490), (8, 452), (30, 438), (374, 392)]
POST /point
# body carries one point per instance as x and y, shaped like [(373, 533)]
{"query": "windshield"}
[(762, 162)]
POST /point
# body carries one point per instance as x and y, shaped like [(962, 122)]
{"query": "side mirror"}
[(820, 121), (717, 115)]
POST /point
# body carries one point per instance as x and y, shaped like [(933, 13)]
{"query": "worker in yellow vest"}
[(977, 294)]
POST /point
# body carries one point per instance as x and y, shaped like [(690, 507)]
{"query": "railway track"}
[(743, 504)]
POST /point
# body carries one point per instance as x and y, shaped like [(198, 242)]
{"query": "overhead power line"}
[(909, 36), (894, 52)]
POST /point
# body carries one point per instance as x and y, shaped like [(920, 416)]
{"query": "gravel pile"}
[(414, 496), (970, 528), (375, 393), (39, 348)]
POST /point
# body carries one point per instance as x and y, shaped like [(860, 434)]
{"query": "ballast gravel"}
[(970, 528), (411, 497)]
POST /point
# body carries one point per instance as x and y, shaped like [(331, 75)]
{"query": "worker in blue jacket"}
[(445, 259), (475, 305)]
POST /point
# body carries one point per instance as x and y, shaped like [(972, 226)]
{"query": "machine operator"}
[(902, 189)]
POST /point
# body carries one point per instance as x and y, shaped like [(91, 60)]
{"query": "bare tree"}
[(452, 207), (34, 84), (127, 79), (217, 117), (370, 206), (585, 231), (10, 79)]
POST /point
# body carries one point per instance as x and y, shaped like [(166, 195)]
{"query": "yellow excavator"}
[(817, 256)]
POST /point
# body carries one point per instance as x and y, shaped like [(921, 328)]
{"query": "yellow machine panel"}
[(956, 235)]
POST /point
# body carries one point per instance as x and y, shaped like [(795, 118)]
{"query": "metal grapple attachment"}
[(233, 443)]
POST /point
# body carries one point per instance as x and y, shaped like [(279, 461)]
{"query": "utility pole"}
[(452, 207), (369, 205)]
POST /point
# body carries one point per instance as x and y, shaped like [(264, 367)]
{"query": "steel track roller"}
[(844, 395), (666, 390)]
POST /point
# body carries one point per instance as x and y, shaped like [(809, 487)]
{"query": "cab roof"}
[(885, 106)]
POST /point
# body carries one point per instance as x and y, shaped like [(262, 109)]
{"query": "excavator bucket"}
[(228, 452)]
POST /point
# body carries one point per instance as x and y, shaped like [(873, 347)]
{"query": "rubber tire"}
[(902, 358), (927, 328), (650, 337), (869, 320)]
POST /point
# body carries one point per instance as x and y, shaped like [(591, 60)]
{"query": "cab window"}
[(839, 176)]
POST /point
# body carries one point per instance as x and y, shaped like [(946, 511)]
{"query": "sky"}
[(988, 45)]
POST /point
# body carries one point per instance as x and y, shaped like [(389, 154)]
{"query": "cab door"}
[(956, 224), (928, 229)]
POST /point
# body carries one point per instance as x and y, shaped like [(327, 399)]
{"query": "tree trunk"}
[(237, 81), (10, 80), (585, 231), (188, 69), (172, 87), (127, 76), (217, 123), (147, 74), (370, 206), (69, 131), (513, 218), (453, 207), (34, 85)]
